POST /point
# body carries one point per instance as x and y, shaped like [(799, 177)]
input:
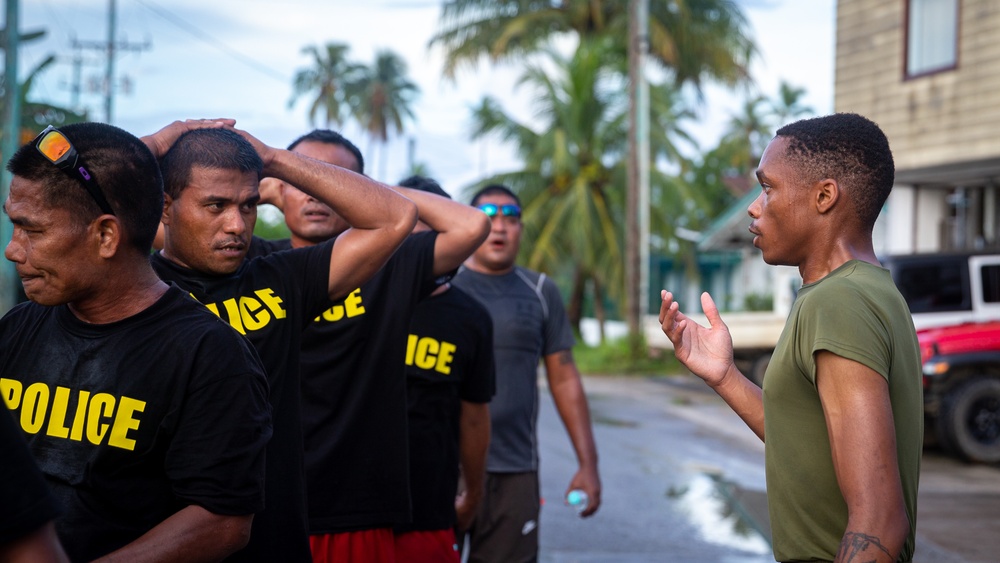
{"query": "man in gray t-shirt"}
[(529, 324)]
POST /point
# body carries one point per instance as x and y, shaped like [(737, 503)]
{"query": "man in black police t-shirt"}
[(211, 178), (146, 414), (354, 387), (449, 381)]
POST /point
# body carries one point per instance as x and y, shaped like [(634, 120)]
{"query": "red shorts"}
[(433, 546), (364, 546)]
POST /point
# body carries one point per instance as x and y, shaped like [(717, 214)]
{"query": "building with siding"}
[(928, 72)]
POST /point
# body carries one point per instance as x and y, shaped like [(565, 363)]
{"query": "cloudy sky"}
[(236, 58)]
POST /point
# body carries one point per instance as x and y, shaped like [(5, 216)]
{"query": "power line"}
[(208, 38)]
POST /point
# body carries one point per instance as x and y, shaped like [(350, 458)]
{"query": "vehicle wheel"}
[(969, 421), (759, 367)]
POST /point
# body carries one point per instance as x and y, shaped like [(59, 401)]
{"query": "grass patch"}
[(614, 358)]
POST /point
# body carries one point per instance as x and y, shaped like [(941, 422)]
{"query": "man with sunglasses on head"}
[(353, 377), (211, 177), (147, 415), (529, 324)]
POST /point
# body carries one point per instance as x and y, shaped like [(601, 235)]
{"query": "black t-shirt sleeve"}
[(423, 245), (479, 383), (217, 457), (310, 267), (25, 501)]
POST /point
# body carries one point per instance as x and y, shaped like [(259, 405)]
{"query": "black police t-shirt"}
[(132, 421), (449, 359), (271, 299), (354, 396)]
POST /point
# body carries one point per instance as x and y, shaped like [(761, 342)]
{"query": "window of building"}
[(931, 36)]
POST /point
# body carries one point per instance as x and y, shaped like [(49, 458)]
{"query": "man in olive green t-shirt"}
[(841, 405)]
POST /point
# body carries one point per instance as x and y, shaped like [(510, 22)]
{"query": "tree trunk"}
[(599, 312), (634, 299), (574, 309)]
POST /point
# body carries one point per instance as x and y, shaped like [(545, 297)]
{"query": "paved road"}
[(684, 482)]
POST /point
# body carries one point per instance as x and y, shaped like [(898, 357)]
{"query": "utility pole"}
[(109, 74), (110, 48), (10, 39), (637, 195)]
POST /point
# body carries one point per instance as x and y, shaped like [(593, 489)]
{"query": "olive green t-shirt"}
[(857, 313)]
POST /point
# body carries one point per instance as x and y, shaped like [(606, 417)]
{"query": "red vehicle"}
[(961, 370)]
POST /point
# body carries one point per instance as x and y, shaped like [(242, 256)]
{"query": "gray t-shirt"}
[(529, 322)]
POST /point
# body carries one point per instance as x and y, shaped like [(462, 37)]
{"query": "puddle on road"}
[(724, 513)]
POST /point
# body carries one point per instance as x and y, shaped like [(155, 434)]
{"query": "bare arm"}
[(474, 441), (571, 402), (863, 443), (270, 193), (708, 353), (461, 228), (40, 546), (380, 219), (190, 534)]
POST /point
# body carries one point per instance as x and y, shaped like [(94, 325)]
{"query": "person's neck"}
[(480, 268), (299, 242), (128, 291), (842, 251)]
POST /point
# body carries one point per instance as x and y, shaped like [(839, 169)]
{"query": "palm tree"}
[(696, 39), (747, 134), (692, 39), (382, 97), (751, 129), (329, 79), (573, 175), (788, 105)]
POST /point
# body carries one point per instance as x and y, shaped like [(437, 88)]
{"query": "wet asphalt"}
[(683, 481)]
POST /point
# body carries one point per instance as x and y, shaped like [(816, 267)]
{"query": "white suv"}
[(948, 289)]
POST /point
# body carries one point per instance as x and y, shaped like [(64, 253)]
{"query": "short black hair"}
[(850, 149), (424, 184), (119, 163), (219, 149), (494, 189), (331, 138)]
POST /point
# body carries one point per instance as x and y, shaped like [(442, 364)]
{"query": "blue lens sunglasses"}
[(492, 210)]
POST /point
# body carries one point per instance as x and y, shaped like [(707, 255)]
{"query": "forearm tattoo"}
[(857, 548), (565, 357)]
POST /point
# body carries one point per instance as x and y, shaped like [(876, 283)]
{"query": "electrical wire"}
[(208, 38)]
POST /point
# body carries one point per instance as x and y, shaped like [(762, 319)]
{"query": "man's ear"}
[(827, 195), (109, 231), (167, 201)]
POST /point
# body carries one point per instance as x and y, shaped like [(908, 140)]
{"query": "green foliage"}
[(694, 39), (271, 226), (379, 98), (328, 80), (758, 302), (614, 357), (572, 181)]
